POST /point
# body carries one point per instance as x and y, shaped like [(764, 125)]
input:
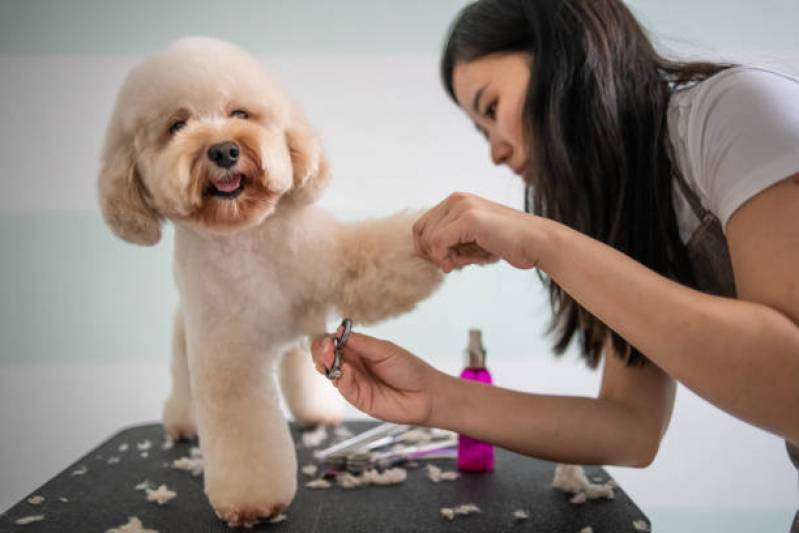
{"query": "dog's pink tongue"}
[(229, 183)]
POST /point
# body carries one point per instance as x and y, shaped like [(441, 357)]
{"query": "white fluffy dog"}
[(202, 136)]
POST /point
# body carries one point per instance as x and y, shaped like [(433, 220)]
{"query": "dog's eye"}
[(177, 125), (240, 113)]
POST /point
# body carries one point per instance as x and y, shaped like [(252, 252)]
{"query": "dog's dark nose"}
[(224, 154)]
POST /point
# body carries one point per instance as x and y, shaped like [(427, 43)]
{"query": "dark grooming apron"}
[(710, 257)]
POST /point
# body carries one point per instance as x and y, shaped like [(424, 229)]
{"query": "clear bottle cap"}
[(475, 354)]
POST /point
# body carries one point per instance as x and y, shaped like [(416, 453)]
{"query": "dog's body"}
[(233, 164)]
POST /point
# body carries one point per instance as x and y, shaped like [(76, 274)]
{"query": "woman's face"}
[(492, 90)]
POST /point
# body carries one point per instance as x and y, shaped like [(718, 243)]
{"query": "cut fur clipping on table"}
[(466, 509), (436, 474), (315, 437), (161, 495), (193, 463), (29, 520), (393, 476), (309, 470), (318, 484), (134, 525), (521, 515), (342, 431), (572, 479), (144, 485)]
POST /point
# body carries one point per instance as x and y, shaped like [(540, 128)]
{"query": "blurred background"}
[(85, 319)]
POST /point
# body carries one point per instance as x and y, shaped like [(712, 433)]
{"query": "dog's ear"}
[(308, 159), (122, 194)]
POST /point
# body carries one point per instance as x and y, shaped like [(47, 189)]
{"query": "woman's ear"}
[(308, 159), (122, 194)]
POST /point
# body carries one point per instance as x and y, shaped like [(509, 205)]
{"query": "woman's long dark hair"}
[(595, 128)]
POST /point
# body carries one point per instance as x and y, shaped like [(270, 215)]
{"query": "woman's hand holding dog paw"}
[(466, 229), (381, 379)]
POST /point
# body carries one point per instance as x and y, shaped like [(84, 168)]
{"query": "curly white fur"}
[(258, 269)]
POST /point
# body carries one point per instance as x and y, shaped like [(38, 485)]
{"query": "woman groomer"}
[(663, 217)]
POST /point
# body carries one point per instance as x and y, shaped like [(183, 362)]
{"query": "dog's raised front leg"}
[(178, 410), (250, 462), (379, 274), (309, 396)]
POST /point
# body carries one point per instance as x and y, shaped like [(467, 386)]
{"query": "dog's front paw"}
[(178, 419), (248, 516), (242, 496)]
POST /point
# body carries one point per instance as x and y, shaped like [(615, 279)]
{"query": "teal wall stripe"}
[(266, 26), (70, 291), (330, 26)]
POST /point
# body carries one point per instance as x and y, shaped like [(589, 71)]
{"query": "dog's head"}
[(201, 133)]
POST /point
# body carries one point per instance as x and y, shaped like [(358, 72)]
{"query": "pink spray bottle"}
[(474, 454)]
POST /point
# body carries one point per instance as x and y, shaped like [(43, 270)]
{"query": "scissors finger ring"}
[(334, 372)]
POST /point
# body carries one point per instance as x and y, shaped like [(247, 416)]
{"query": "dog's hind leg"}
[(309, 396), (178, 409)]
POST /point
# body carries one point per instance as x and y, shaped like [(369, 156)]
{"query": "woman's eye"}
[(240, 113), (491, 111), (177, 125)]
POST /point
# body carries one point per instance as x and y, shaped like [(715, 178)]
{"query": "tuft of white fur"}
[(134, 525), (144, 485), (392, 476), (193, 463), (24, 521), (161, 495), (435, 474), (521, 515), (309, 470), (572, 479), (318, 484), (315, 437), (465, 509)]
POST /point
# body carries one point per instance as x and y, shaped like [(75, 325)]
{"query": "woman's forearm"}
[(564, 429), (741, 356)]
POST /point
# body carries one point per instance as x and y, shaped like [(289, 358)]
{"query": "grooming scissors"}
[(334, 372)]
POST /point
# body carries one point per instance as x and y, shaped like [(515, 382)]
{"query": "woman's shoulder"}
[(740, 129), (751, 74), (747, 85), (741, 85)]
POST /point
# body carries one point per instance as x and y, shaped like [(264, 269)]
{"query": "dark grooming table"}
[(105, 497)]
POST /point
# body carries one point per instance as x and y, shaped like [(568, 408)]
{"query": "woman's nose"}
[(500, 152)]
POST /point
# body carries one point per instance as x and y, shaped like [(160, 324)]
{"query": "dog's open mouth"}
[(230, 186)]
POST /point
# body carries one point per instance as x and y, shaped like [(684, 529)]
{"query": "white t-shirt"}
[(735, 134)]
